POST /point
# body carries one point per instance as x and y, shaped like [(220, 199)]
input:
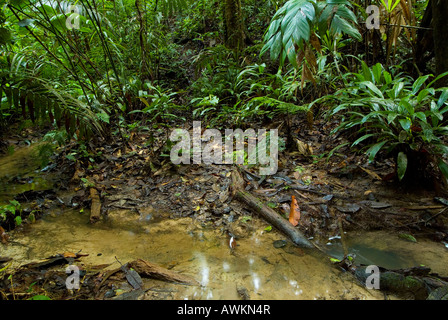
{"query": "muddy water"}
[(19, 172), (185, 246), (391, 252)]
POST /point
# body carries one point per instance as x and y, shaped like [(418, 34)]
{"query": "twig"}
[(427, 220), (436, 215)]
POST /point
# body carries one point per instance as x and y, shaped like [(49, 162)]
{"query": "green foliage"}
[(87, 183), (12, 210), (390, 5), (400, 116), (298, 23), (245, 93), (159, 103), (83, 153)]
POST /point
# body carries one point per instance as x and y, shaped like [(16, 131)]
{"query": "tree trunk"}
[(425, 41), (440, 26), (235, 36)]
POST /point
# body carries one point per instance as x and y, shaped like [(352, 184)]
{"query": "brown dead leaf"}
[(297, 175), (4, 237), (294, 213), (371, 173), (315, 42), (69, 255), (304, 148)]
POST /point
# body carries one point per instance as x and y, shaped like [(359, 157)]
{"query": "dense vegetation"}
[(93, 70)]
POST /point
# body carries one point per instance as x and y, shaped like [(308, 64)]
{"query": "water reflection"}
[(255, 281), (264, 271), (204, 268)]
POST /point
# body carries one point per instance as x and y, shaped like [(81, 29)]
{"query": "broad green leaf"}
[(443, 168), (58, 22), (18, 220), (424, 93), (428, 134), (373, 88), (397, 88), (418, 83), (402, 164), (443, 98), (367, 73), (374, 150), (377, 71), (391, 117), (46, 10), (103, 116), (387, 77), (363, 138), (405, 124), (409, 108), (420, 115), (342, 26), (437, 79)]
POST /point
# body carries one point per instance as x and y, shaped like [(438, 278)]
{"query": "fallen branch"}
[(267, 213), (95, 211), (154, 271)]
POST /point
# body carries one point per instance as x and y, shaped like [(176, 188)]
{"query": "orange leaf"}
[(3, 236), (69, 255), (294, 213)]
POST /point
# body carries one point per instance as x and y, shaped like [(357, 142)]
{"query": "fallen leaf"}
[(304, 148), (4, 237), (132, 276), (407, 237), (349, 208), (69, 255), (372, 174), (294, 213), (379, 205)]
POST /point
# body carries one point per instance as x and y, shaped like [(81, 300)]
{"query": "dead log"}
[(154, 271), (95, 211), (267, 213), (412, 283)]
